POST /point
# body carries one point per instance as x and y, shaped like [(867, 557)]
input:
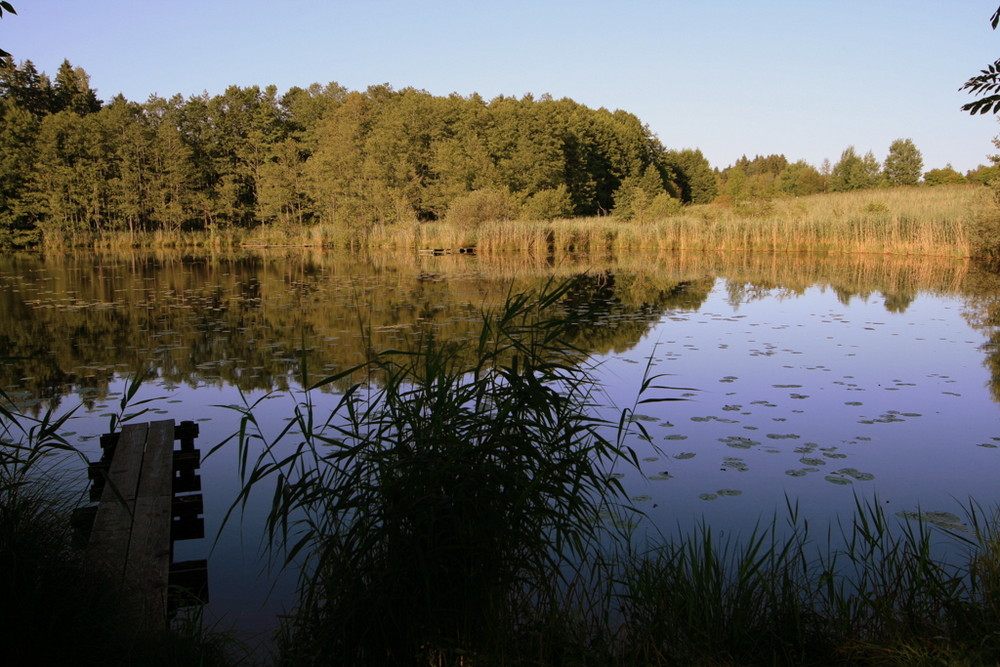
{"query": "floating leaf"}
[(738, 442), (856, 474)]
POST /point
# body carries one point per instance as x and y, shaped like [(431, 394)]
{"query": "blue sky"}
[(804, 78)]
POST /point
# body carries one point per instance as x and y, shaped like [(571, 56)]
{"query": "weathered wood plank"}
[(132, 531), (108, 547), (148, 562)]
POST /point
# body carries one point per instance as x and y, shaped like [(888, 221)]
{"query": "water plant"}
[(872, 590), (447, 499)]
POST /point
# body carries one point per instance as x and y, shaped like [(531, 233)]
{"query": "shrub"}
[(548, 205), (479, 206)]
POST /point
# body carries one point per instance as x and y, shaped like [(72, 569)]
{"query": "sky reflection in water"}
[(808, 393)]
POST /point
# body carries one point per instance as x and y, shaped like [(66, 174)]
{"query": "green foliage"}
[(644, 198), (479, 206), (441, 495), (983, 174), (987, 82), (548, 205), (5, 7), (853, 172), (753, 180), (984, 229), (694, 175), (663, 206), (904, 163), (800, 179), (321, 155), (945, 176)]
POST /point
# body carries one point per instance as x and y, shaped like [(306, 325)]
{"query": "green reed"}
[(445, 499), (872, 591)]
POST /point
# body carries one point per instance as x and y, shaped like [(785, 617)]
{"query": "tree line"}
[(71, 164), (321, 154)]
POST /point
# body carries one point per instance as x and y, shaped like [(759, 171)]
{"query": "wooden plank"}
[(148, 561), (108, 547)]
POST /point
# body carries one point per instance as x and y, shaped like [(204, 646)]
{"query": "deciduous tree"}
[(904, 163)]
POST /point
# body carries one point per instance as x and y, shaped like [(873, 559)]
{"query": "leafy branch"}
[(5, 7), (987, 82)]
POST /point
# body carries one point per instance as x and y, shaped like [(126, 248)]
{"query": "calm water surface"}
[(817, 380)]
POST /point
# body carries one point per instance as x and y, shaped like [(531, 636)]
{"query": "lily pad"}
[(738, 442), (856, 474), (809, 461)]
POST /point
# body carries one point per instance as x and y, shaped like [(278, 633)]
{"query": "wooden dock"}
[(145, 503), (465, 250)]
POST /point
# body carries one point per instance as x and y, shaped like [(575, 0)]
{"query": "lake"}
[(816, 379)]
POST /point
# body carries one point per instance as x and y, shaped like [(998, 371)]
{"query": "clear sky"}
[(805, 78)]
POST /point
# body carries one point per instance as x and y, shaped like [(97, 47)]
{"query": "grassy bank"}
[(941, 221)]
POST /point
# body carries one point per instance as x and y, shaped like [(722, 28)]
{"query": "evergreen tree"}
[(695, 178), (72, 91), (18, 134), (904, 163), (25, 86)]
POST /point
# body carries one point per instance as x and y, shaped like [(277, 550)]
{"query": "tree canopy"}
[(904, 163), (320, 154)]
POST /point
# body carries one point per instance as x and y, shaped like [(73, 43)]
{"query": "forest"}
[(72, 165)]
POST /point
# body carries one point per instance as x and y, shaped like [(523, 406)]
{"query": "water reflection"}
[(814, 378), (70, 323)]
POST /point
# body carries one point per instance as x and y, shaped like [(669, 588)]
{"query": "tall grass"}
[(949, 221), (898, 221), (444, 501), (875, 590)]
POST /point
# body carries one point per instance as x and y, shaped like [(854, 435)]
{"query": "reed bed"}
[(942, 221), (900, 221)]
